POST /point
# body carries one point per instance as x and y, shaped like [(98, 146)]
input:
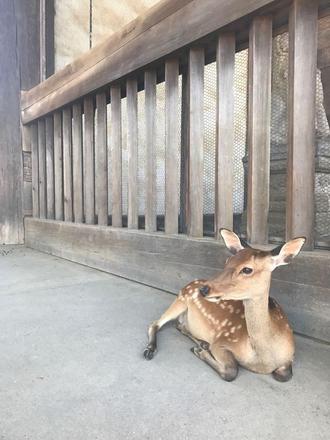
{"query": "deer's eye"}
[(246, 270)]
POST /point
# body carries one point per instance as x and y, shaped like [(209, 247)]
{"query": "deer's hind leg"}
[(183, 328), (220, 359), (178, 307)]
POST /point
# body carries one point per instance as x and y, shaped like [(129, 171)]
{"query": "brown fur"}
[(237, 321)]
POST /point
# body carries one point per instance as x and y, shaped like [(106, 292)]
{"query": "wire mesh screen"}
[(210, 84), (240, 140), (160, 155), (278, 138), (322, 171)]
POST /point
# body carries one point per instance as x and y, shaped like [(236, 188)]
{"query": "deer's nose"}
[(204, 290)]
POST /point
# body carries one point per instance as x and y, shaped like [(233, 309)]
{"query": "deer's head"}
[(247, 272)]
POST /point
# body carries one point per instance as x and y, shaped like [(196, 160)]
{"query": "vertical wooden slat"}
[(260, 64), (35, 169), (224, 132), (67, 164), (184, 172), (150, 170), (101, 178), (89, 175), (58, 166), (116, 155), (132, 151), (301, 108), (172, 141), (196, 139), (77, 168), (50, 167), (42, 167)]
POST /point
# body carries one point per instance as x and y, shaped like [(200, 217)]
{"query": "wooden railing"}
[(68, 111)]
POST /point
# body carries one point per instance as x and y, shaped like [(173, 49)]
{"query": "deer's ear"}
[(284, 254), (233, 243)]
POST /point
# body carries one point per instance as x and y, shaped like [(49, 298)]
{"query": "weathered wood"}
[(259, 106), (169, 262), (150, 166), (116, 155), (132, 151), (50, 168), (101, 160), (58, 166), (224, 133), (35, 169), (67, 164), (89, 175), (27, 170), (77, 162), (42, 168), (161, 31), (172, 142), (301, 130), (196, 140)]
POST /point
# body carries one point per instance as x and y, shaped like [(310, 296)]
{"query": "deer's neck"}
[(258, 321)]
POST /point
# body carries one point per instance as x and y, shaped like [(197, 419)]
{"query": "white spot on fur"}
[(222, 306), (235, 340), (239, 326), (237, 311), (231, 308), (227, 334), (232, 330), (195, 295), (242, 316)]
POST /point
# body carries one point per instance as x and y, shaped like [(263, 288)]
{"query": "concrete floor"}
[(71, 367)]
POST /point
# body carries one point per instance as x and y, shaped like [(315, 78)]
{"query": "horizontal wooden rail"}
[(143, 41)]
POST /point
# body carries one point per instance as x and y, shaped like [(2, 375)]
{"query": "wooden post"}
[(132, 150), (196, 140), (50, 168), (58, 166), (77, 162), (150, 167), (259, 107), (301, 108), (225, 133), (172, 142), (101, 166), (42, 168), (67, 164), (35, 169), (89, 177), (116, 155)]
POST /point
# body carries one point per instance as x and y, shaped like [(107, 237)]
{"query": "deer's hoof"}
[(204, 345), (148, 353)]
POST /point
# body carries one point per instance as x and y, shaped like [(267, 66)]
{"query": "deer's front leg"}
[(221, 360), (175, 310)]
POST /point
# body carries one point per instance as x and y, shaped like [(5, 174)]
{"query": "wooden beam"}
[(50, 168), (58, 166), (42, 168), (132, 151), (224, 133), (170, 262), (101, 160), (172, 143), (116, 156), (160, 30), (196, 140), (259, 106), (301, 109), (150, 166), (89, 175), (67, 164), (35, 169), (77, 163)]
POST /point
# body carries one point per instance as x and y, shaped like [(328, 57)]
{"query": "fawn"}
[(231, 316)]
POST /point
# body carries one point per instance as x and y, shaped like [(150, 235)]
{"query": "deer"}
[(231, 317)]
